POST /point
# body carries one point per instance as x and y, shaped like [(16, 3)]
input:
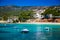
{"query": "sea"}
[(13, 31)]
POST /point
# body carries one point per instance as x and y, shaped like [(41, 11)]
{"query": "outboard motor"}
[(24, 30)]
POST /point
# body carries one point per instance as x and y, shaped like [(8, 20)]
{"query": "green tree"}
[(52, 10), (24, 15), (4, 17)]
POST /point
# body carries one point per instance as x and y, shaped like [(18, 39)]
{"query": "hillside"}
[(15, 10)]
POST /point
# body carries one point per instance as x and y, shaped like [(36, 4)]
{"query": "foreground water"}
[(36, 32)]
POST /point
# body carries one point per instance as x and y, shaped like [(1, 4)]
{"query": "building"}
[(38, 13), (11, 19)]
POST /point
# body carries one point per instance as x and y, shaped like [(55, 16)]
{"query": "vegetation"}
[(4, 17), (52, 10), (24, 15), (24, 12)]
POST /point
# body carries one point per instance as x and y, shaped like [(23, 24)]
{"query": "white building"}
[(9, 20), (38, 13), (12, 18)]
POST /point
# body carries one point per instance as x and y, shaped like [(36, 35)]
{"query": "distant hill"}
[(14, 10)]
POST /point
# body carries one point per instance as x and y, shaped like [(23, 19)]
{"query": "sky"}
[(29, 2)]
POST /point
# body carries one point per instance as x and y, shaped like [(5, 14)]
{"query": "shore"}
[(33, 23)]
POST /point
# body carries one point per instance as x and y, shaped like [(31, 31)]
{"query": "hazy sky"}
[(29, 2)]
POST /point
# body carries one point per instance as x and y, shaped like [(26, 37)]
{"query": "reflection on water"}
[(40, 34)]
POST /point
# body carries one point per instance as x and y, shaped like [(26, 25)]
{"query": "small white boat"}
[(25, 30)]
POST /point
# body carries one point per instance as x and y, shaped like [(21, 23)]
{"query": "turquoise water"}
[(36, 32)]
